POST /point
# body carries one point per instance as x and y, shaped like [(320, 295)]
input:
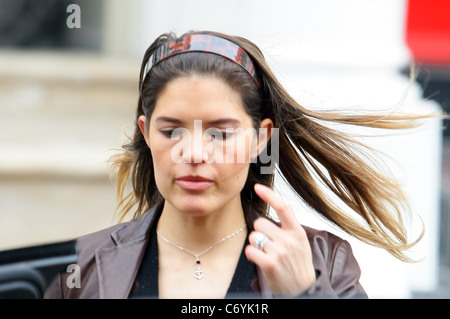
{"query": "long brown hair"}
[(311, 152)]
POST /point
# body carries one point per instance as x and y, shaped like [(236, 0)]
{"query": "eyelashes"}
[(167, 133), (214, 133)]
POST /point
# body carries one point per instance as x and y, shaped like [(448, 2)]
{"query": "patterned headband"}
[(203, 43)]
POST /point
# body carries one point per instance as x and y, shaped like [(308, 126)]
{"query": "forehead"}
[(199, 97)]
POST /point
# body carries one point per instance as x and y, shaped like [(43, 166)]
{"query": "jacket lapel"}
[(118, 265), (266, 292)]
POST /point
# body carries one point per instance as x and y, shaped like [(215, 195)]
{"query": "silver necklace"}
[(199, 274)]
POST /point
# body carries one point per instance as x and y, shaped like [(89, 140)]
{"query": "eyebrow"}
[(225, 121), (215, 122), (167, 119)]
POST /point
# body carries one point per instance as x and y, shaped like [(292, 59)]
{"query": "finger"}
[(284, 211), (268, 228), (258, 257), (268, 247)]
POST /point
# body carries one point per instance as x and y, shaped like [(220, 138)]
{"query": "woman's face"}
[(201, 140)]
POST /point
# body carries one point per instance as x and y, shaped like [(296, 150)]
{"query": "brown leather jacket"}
[(109, 262)]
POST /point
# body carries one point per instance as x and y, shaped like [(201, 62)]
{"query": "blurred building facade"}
[(68, 97), (65, 104), (428, 38)]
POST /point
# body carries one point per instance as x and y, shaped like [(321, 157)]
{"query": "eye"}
[(170, 132), (167, 133), (221, 135)]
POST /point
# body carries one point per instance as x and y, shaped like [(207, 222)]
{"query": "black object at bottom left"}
[(25, 273)]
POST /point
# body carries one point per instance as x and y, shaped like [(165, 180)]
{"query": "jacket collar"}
[(118, 265), (137, 229)]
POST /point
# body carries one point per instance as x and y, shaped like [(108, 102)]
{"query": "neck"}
[(198, 232)]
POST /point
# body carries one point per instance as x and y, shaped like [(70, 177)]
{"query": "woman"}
[(209, 110)]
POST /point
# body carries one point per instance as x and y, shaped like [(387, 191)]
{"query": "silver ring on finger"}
[(260, 240)]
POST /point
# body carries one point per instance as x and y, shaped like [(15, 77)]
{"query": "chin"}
[(193, 205)]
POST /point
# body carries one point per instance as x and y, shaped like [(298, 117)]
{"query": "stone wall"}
[(62, 114)]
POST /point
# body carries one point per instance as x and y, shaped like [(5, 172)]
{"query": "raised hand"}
[(285, 259)]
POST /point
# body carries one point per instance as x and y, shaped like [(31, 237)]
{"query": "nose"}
[(193, 150)]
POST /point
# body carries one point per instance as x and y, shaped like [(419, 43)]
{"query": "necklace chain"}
[(199, 273)]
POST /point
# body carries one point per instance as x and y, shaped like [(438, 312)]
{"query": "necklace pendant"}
[(199, 274)]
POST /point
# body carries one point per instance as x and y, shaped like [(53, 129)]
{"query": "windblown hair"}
[(312, 154)]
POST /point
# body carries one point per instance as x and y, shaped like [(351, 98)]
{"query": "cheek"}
[(239, 148), (161, 154), (160, 146), (232, 176), (241, 155)]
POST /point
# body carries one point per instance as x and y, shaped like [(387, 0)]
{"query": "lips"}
[(193, 183)]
